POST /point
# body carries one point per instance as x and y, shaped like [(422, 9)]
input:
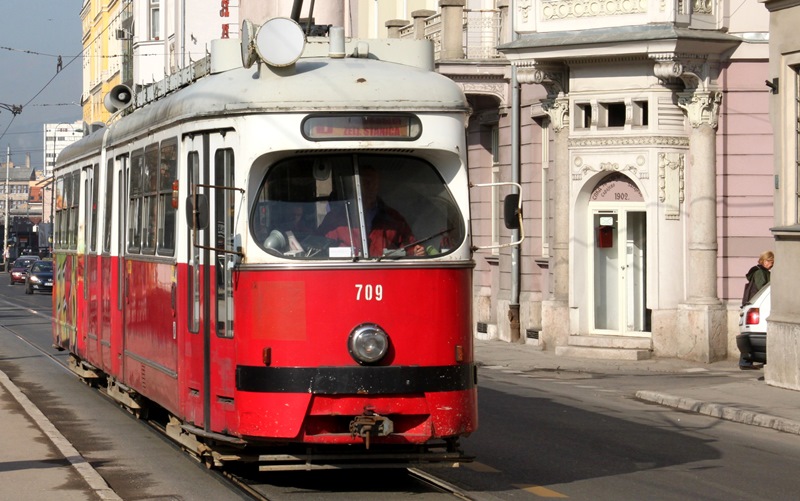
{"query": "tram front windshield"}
[(355, 207)]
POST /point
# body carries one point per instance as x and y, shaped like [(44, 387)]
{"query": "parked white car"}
[(752, 338)]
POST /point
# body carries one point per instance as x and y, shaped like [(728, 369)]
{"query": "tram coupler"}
[(369, 425)]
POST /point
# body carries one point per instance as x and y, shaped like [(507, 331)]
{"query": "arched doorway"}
[(618, 258)]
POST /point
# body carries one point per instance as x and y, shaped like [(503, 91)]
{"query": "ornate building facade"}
[(639, 132)]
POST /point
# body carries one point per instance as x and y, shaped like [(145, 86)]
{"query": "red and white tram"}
[(278, 256)]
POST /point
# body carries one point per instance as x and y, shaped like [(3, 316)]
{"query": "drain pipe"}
[(513, 308)]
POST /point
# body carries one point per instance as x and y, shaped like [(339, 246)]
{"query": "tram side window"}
[(149, 202), (109, 197), (93, 208), (61, 215), (135, 201), (168, 173), (74, 198)]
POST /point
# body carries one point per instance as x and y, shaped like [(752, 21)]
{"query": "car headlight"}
[(35, 279), (368, 343)]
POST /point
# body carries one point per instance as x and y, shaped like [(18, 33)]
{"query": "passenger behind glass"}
[(386, 228)]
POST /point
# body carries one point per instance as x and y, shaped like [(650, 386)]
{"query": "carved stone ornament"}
[(524, 8), (671, 183), (701, 107), (637, 169), (558, 111), (496, 89), (703, 6), (694, 70), (612, 141), (552, 78), (571, 9)]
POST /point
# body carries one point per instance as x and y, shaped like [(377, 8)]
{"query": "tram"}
[(273, 250)]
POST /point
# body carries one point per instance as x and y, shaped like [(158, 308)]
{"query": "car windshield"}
[(44, 266), (355, 206), (23, 262)]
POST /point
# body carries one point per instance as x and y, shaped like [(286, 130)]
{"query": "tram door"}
[(208, 288)]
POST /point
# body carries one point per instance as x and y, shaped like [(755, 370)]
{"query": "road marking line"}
[(542, 492), (480, 467)]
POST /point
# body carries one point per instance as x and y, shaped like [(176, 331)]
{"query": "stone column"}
[(701, 319), (505, 21), (452, 29), (555, 310), (419, 17), (393, 27)]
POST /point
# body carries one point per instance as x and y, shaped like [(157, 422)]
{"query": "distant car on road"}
[(752, 338), (40, 277), (20, 268)]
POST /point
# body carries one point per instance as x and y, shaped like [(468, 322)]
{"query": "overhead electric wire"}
[(62, 68)]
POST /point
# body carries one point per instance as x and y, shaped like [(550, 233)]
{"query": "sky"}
[(34, 34)]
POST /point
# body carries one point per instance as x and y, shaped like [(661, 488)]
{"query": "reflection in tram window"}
[(348, 207)]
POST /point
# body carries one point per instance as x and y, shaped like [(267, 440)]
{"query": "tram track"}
[(253, 488)]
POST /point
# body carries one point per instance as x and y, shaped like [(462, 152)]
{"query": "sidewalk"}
[(37, 462), (742, 397)]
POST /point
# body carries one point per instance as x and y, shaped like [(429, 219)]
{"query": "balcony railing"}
[(481, 33)]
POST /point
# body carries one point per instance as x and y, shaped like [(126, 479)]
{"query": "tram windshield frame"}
[(354, 207)]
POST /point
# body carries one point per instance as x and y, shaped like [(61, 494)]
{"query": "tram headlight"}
[(368, 343)]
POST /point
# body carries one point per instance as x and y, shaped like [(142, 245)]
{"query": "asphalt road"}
[(542, 435)]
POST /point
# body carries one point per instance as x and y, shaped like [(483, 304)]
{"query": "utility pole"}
[(15, 110), (5, 222)]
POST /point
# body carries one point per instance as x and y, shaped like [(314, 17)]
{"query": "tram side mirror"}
[(198, 212), (510, 211)]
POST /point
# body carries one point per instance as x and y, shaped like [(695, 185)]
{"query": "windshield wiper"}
[(396, 253)]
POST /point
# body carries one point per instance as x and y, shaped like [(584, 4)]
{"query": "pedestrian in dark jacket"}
[(758, 276), (757, 279)]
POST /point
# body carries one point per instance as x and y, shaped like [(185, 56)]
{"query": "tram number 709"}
[(369, 292)]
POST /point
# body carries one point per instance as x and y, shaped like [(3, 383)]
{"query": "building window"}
[(612, 114), (497, 210), (155, 20), (641, 111), (583, 116), (796, 142)]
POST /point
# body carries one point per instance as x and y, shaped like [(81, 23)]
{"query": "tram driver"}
[(386, 228)]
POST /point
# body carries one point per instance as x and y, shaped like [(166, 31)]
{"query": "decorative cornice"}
[(572, 9), (595, 141), (638, 170), (495, 89), (696, 71), (552, 77)]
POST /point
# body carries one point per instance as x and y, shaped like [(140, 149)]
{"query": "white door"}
[(618, 263)]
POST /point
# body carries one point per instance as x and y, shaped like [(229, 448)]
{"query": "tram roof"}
[(316, 85)]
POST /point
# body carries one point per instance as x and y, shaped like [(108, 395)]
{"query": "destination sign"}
[(327, 127)]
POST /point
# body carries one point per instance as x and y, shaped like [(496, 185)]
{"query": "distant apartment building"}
[(56, 138)]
